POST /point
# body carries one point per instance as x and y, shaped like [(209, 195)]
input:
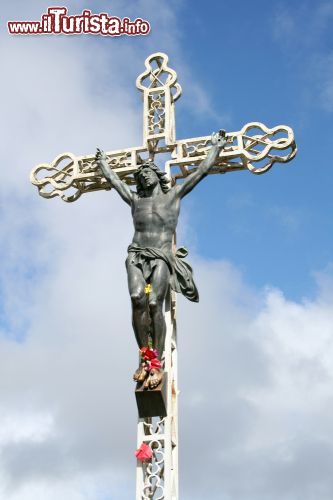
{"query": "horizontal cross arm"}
[(255, 147), (69, 176)]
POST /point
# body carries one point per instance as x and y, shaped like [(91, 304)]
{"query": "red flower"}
[(155, 363), (144, 452), (148, 353)]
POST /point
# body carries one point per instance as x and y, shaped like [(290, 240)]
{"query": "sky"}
[(255, 355)]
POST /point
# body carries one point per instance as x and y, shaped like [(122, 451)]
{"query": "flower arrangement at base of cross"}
[(149, 358), (150, 370)]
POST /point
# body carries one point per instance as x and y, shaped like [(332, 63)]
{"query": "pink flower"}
[(144, 453)]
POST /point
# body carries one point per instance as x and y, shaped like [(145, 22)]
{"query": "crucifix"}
[(156, 270)]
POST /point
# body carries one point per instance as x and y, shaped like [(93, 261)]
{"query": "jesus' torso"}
[(155, 219)]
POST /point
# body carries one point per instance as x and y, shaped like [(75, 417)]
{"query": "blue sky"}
[(269, 63), (261, 248)]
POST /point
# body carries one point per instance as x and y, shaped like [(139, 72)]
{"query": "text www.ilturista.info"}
[(57, 22)]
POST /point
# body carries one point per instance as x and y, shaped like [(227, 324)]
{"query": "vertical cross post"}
[(158, 478)]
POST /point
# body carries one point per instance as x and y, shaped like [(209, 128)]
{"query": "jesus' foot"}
[(154, 379), (141, 373)]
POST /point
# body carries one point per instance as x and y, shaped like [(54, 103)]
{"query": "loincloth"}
[(181, 273)]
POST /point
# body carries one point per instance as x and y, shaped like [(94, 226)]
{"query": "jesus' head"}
[(148, 175)]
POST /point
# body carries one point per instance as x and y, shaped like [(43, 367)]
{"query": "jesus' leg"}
[(140, 318), (160, 282)]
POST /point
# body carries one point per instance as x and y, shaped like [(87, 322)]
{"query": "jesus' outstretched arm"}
[(218, 142), (120, 186)]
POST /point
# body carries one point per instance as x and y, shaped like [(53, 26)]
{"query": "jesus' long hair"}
[(162, 177)]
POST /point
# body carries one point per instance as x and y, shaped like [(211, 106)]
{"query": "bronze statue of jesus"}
[(151, 259)]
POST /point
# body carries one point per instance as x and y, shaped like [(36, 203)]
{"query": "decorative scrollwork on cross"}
[(153, 486), (156, 114), (69, 176), (160, 89), (158, 76), (256, 142), (52, 179)]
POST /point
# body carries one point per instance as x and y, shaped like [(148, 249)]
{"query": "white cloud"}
[(259, 413), (35, 428)]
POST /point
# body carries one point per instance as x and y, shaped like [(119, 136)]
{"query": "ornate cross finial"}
[(159, 97)]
